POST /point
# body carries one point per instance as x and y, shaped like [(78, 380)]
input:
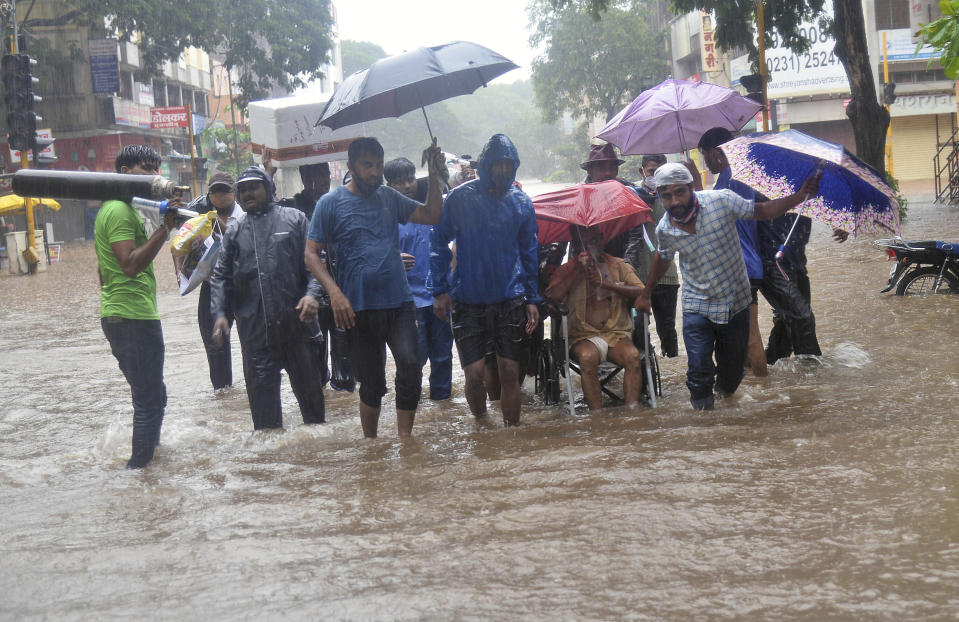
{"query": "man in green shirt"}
[(128, 307)]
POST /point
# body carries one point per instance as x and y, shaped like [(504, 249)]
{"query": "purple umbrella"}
[(672, 116)]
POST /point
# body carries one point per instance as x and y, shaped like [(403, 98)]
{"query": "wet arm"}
[(317, 267), (767, 210), (135, 259), (440, 258), (563, 280), (529, 257), (431, 212)]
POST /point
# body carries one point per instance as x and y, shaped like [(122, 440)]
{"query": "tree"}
[(268, 42), (218, 144), (943, 35), (594, 66), (358, 55), (868, 118)]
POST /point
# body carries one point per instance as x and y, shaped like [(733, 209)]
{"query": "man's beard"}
[(366, 189), (501, 183), (681, 214)]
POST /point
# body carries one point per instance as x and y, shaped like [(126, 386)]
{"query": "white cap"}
[(672, 173)]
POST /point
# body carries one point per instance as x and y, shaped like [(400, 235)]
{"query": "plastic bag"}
[(192, 234)]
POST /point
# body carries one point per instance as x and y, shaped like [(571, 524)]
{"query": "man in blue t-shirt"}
[(435, 336), (370, 297)]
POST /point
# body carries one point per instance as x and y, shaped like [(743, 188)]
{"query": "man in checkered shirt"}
[(701, 227)]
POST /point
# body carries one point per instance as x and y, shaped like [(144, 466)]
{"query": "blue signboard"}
[(104, 65)]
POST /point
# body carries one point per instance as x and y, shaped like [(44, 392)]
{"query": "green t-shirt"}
[(120, 295)]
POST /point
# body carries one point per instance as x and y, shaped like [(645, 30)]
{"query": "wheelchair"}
[(553, 360)]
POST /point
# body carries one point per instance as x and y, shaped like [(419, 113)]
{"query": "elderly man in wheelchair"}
[(599, 290)]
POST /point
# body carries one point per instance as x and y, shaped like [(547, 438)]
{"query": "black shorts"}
[(499, 328), (374, 330)]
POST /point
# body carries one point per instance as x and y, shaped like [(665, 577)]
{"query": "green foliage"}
[(901, 198), (594, 64), (358, 55), (734, 19), (271, 43), (510, 109), (218, 145), (943, 35)]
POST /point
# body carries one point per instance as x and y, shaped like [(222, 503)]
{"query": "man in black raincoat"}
[(262, 276)]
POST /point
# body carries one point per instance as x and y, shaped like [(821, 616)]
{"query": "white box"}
[(287, 126)]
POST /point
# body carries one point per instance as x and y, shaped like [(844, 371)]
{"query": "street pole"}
[(31, 254), (885, 79), (236, 148), (189, 116), (761, 32)]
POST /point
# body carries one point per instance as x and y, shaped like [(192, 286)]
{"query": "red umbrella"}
[(611, 205)]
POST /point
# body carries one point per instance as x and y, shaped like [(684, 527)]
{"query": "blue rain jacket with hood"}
[(495, 234), (261, 274)]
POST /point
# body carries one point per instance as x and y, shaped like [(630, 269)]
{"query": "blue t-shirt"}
[(415, 240), (748, 233), (363, 232)]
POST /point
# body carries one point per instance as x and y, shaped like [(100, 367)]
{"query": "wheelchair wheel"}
[(547, 374), (657, 379)]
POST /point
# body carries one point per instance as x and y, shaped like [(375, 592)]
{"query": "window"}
[(159, 93), (126, 85), (892, 14)]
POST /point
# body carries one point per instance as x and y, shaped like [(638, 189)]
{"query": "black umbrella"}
[(393, 86)]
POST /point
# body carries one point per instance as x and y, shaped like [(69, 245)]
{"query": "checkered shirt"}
[(711, 260)]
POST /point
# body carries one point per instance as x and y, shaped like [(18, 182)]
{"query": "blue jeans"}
[(704, 337), (435, 343), (138, 347)]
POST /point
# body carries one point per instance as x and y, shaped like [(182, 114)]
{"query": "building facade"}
[(809, 92)]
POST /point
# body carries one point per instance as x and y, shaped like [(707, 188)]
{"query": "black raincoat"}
[(261, 275)]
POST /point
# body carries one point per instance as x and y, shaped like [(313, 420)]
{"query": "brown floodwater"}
[(827, 491)]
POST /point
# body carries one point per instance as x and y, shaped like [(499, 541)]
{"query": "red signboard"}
[(169, 116)]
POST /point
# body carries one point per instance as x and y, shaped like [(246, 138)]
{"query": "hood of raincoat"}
[(256, 172), (498, 148), (495, 237)]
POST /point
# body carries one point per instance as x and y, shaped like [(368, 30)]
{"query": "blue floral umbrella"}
[(852, 195)]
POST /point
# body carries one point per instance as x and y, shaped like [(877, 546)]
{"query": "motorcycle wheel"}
[(921, 282)]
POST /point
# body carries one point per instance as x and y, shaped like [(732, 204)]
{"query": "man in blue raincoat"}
[(492, 293)]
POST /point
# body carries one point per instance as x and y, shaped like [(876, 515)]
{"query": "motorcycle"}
[(922, 267)]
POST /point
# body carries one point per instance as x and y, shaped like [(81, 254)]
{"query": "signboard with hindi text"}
[(710, 57), (169, 116)]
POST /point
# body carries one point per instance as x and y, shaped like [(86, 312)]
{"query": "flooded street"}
[(824, 492)]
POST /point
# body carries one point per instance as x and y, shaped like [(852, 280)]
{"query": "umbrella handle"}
[(782, 247), (428, 129)]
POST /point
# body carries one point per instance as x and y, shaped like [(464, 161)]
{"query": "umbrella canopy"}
[(393, 86), (609, 204), (852, 195), (672, 116), (14, 203)]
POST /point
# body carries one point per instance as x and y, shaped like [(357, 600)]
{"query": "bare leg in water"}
[(370, 419)]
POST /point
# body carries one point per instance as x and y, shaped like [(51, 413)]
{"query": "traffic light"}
[(18, 84), (753, 83), (889, 93)]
